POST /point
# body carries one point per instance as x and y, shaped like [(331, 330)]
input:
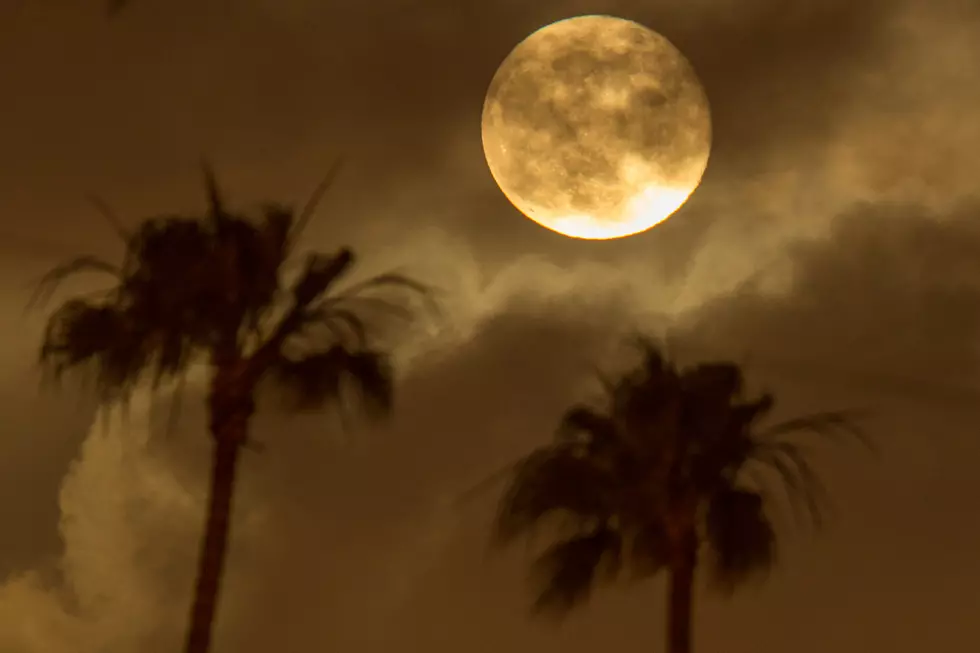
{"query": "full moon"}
[(596, 127)]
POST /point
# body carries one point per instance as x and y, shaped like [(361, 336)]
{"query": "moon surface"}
[(596, 127)]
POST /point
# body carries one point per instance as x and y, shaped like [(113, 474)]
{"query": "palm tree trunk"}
[(215, 545), (681, 599)]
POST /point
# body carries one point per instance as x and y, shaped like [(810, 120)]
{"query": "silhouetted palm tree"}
[(674, 469), (211, 290)]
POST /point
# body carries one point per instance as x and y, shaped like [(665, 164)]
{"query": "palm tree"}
[(211, 290), (673, 469)]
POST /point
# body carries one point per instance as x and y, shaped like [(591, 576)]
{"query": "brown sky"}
[(842, 176)]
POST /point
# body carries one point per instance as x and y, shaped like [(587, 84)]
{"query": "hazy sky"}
[(833, 247)]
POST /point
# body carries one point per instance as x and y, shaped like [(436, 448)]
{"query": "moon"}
[(596, 127)]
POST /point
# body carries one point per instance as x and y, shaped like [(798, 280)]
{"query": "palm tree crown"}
[(674, 466), (211, 290)]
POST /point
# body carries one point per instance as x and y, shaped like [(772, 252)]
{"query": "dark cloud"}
[(781, 75), (891, 290)]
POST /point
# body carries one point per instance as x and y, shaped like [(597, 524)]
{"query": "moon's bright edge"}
[(596, 127)]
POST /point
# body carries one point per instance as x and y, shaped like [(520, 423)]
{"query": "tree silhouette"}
[(672, 470), (211, 290)]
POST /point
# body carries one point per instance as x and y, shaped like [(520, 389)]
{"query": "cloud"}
[(864, 319), (129, 528), (787, 258), (339, 544)]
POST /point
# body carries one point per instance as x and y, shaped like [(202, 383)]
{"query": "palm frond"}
[(569, 570), (741, 538), (81, 334), (343, 326), (645, 399), (277, 221), (210, 284), (601, 439), (747, 413), (382, 306), (321, 272), (800, 483), (584, 424), (76, 332), (548, 481), (324, 378), (710, 397), (717, 380), (306, 213), (312, 380), (654, 361), (169, 247), (838, 425), (173, 284), (216, 210), (345, 321), (54, 277), (176, 403), (370, 375), (171, 355), (720, 440), (495, 477), (387, 280), (313, 308), (109, 215)]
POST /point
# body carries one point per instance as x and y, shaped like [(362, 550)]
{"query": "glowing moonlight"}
[(596, 127)]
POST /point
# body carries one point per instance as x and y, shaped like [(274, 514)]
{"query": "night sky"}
[(833, 248)]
